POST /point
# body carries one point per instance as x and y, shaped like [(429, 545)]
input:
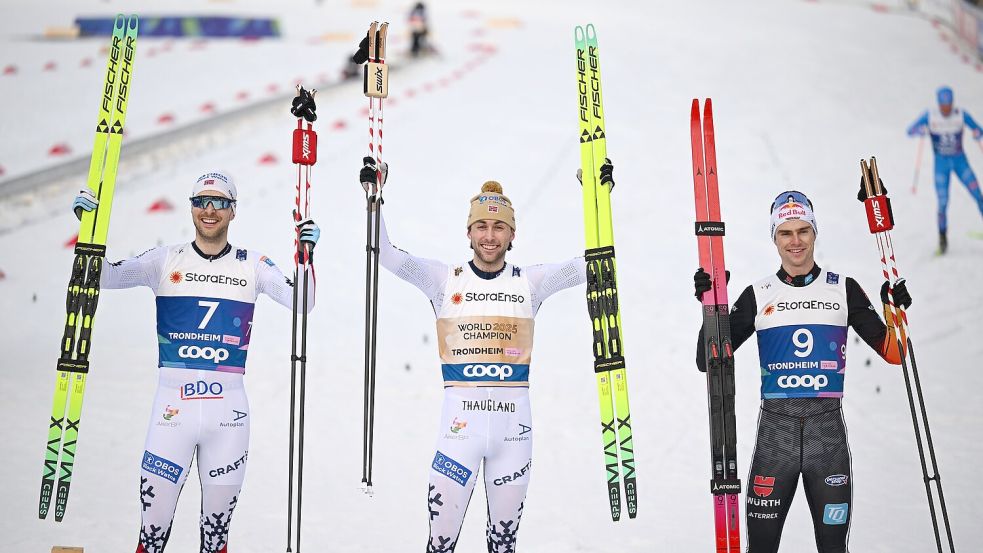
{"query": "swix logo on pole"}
[(879, 218), (305, 147)]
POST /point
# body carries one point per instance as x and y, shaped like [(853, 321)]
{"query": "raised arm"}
[(142, 270), (549, 278)]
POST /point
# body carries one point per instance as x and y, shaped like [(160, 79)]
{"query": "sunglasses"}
[(217, 202), (792, 196)]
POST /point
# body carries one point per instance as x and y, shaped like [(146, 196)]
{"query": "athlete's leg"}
[(222, 453), (169, 448), (968, 178), (771, 484), (943, 167), (826, 476), (508, 466), (454, 469)]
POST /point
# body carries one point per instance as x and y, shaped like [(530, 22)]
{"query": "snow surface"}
[(802, 91)]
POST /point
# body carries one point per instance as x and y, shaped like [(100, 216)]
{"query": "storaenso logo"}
[(500, 372), (215, 279), (209, 353), (494, 296), (805, 381), (807, 304)]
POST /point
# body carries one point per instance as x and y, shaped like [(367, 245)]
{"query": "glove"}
[(309, 232), (367, 176), (862, 194), (977, 134), (607, 173), (85, 201), (703, 283), (900, 291)]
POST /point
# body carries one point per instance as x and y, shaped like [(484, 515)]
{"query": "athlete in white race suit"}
[(485, 311), (206, 291)]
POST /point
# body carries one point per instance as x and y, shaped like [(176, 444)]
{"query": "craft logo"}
[(763, 485), (176, 277), (230, 467), (170, 412), (457, 426), (836, 513), (457, 298), (515, 475), (837, 480)]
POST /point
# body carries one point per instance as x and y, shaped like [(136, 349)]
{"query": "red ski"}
[(725, 485)]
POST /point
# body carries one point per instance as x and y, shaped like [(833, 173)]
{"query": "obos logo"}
[(202, 390), (500, 372), (216, 355), (805, 381)]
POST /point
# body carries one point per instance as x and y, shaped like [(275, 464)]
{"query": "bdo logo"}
[(217, 355), (805, 381), (500, 372), (202, 390)]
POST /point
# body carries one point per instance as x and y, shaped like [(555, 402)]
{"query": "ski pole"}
[(304, 156)]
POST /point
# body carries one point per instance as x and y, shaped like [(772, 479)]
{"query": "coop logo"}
[(216, 355), (501, 372), (160, 466), (835, 513), (837, 480), (451, 468), (804, 381), (202, 390)]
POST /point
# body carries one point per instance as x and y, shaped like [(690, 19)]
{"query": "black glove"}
[(862, 194), (607, 173), (303, 105), (367, 176), (900, 291), (362, 54), (702, 282)]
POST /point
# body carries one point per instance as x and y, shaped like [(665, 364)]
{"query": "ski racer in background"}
[(800, 315), (205, 291), (945, 125), (485, 311)]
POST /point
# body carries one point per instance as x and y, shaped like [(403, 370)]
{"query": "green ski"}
[(83, 286), (602, 284)]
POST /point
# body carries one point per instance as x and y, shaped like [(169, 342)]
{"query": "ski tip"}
[(694, 110), (133, 22), (707, 107), (590, 31), (578, 34)]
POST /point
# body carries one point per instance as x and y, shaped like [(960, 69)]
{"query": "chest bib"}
[(485, 328), (946, 132), (205, 310), (802, 334)]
